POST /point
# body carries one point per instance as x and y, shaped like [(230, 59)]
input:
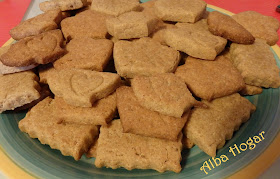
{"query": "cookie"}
[(8, 70), (86, 53), (18, 89), (117, 149), (195, 40), (142, 121), (49, 20), (71, 139), (164, 93), (222, 25), (211, 79), (210, 128), (114, 8), (180, 10), (187, 143), (132, 25), (40, 49), (82, 88), (260, 26), (101, 113), (256, 64), (144, 57), (85, 24), (251, 90), (63, 5), (44, 71)]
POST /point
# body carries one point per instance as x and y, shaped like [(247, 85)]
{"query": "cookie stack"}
[(133, 84)]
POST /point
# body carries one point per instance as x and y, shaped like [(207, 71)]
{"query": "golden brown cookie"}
[(117, 149), (210, 128), (144, 57), (195, 40), (8, 70), (251, 90), (132, 25), (164, 93), (92, 151), (37, 25), (187, 143), (180, 10), (222, 25), (101, 113), (260, 26), (142, 121), (85, 24), (113, 7), (86, 53), (211, 79), (82, 88), (63, 5), (71, 139), (40, 49), (158, 34), (256, 64), (18, 89)]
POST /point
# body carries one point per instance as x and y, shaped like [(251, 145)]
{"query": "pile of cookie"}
[(132, 84)]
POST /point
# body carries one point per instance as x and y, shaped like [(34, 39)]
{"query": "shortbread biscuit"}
[(195, 40), (101, 113), (18, 89), (86, 53), (40, 49), (187, 143), (256, 64), (158, 34), (226, 27), (82, 88), (113, 7), (71, 139), (63, 5), (210, 128), (37, 25), (132, 25), (180, 10), (211, 79), (142, 121), (8, 70), (251, 90), (148, 7), (85, 24), (260, 26), (164, 93), (117, 149), (44, 71), (144, 57), (92, 152)]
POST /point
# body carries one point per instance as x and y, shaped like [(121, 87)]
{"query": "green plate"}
[(43, 162)]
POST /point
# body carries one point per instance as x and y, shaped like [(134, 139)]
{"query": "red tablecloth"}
[(12, 11)]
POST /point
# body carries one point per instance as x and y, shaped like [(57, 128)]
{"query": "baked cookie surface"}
[(63, 5)]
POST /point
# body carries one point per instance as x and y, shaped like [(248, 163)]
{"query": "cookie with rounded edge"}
[(63, 5), (40, 49), (18, 89), (85, 24), (114, 7), (260, 26), (211, 79), (180, 10), (164, 93), (132, 25), (256, 64), (144, 57), (80, 87), (49, 20), (251, 90), (222, 25), (86, 53), (195, 40), (210, 128)]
